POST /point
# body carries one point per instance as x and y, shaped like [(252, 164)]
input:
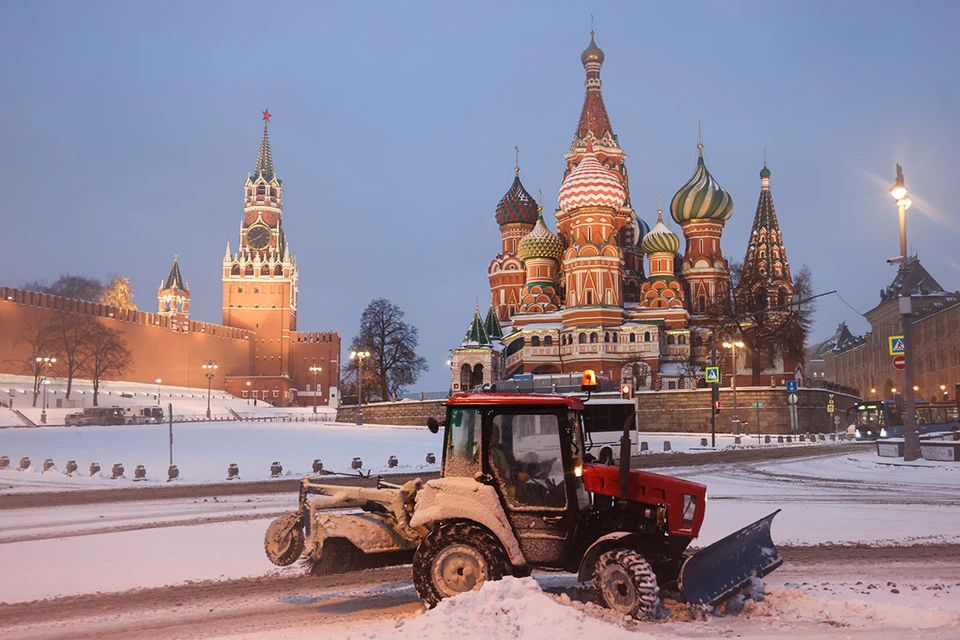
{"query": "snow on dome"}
[(702, 198), (590, 184), (660, 239)]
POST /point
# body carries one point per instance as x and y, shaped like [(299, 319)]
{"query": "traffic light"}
[(589, 381), (716, 406), (626, 391)]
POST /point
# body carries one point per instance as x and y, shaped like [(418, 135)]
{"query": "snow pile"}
[(508, 608), (792, 604)]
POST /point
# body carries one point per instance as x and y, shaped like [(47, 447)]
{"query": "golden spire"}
[(516, 168), (699, 140)]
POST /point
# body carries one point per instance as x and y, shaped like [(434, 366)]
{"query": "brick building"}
[(259, 350)]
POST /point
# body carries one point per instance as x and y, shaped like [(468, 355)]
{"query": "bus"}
[(104, 415), (124, 415), (883, 418)]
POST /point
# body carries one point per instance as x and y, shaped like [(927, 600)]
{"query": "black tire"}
[(625, 583), (454, 558)]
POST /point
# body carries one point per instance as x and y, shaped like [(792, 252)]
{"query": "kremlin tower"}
[(174, 299)]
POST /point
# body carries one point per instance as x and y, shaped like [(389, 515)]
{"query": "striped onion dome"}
[(701, 198), (517, 206), (660, 239), (641, 229), (540, 243), (590, 184)]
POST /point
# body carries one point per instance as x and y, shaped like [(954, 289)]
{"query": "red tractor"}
[(519, 491)]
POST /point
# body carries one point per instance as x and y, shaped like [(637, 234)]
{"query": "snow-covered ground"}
[(850, 498)]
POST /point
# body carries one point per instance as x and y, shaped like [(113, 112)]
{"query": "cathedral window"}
[(633, 337), (646, 336), (670, 338), (548, 341), (589, 297), (606, 337), (782, 297), (256, 289), (701, 246), (261, 190), (702, 302), (582, 338), (593, 338), (535, 341), (699, 341)]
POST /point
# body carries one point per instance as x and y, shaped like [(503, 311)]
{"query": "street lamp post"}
[(315, 369), (48, 363), (359, 356), (158, 390), (733, 346), (911, 440), (209, 370)]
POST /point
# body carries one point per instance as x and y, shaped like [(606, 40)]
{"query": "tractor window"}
[(526, 459), (463, 443)]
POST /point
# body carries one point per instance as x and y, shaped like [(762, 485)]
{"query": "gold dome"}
[(592, 53)]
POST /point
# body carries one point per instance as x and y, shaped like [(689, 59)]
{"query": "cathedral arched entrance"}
[(547, 368)]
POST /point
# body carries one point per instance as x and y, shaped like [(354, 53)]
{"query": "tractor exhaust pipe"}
[(625, 460)]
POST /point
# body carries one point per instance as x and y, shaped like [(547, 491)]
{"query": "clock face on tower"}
[(258, 236)]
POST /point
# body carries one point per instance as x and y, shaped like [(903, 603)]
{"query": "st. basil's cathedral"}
[(578, 299)]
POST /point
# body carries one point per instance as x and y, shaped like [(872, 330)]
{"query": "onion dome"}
[(765, 173), (590, 184), (660, 239), (517, 206), (702, 198), (641, 229), (592, 53), (540, 243)]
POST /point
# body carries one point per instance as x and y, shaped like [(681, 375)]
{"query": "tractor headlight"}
[(577, 468), (689, 508), (857, 433), (883, 432)]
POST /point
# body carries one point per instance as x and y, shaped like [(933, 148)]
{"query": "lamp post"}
[(315, 370), (209, 370), (911, 440), (359, 356), (158, 390), (733, 346), (47, 364), (943, 389)]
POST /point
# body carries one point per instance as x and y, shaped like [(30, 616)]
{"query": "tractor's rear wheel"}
[(625, 583), (284, 540), (455, 558)]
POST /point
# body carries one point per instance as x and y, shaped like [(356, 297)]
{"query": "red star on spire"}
[(266, 115)]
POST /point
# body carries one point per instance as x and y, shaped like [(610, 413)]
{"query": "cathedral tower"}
[(174, 299), (260, 281), (540, 251), (517, 213), (701, 207)]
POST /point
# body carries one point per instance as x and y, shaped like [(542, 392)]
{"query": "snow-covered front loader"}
[(335, 542)]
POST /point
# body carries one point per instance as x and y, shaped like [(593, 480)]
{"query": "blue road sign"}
[(713, 375), (791, 385), (896, 346)]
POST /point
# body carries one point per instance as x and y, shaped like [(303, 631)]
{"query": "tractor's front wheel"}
[(625, 583), (454, 558)]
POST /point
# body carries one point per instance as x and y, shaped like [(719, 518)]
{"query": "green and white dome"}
[(660, 239), (702, 198)]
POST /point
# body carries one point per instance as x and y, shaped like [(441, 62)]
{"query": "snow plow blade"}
[(715, 573)]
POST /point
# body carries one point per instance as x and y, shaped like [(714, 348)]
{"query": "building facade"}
[(259, 350), (581, 298)]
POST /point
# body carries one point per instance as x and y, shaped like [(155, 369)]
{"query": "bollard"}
[(789, 438), (233, 471), (117, 471), (172, 472), (779, 439), (357, 463), (431, 459), (821, 437), (47, 465), (71, 467), (4, 462), (766, 439), (644, 446), (276, 469), (140, 473), (317, 465), (703, 442), (736, 440), (94, 468), (666, 445), (392, 461), (24, 463), (802, 438)]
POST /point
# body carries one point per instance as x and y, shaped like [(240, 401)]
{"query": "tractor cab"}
[(529, 448)]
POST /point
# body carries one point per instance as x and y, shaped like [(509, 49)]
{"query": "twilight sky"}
[(130, 128)]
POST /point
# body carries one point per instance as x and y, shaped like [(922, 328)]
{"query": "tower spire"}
[(516, 169), (265, 157)]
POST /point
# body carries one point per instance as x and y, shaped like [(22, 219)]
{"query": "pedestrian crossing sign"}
[(896, 346), (713, 375)]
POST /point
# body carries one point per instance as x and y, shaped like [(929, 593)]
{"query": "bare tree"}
[(68, 286), (72, 333), (108, 357), (392, 344), (41, 340)]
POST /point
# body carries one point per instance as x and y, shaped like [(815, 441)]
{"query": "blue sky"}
[(130, 128)]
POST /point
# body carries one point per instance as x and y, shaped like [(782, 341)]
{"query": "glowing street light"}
[(733, 346), (47, 364), (359, 356), (315, 370), (158, 390), (911, 440), (209, 370)]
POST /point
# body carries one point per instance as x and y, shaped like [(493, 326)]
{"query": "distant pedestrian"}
[(254, 402), (11, 403)]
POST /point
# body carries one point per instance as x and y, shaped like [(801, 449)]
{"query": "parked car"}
[(77, 420)]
